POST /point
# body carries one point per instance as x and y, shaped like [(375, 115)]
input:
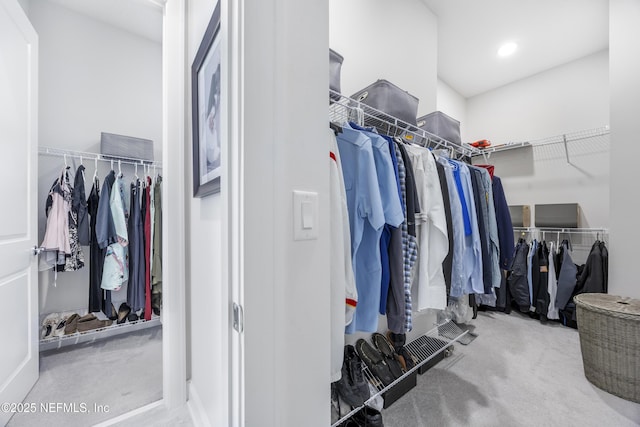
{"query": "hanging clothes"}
[(147, 249), (366, 220), (593, 278), (458, 279), (135, 288), (566, 277), (55, 244), (482, 218), (392, 206), (156, 268), (80, 207), (552, 285), (409, 242), (75, 260), (532, 274), (517, 280), (429, 288), (542, 296), (96, 254), (115, 271), (503, 221), (391, 243), (447, 264), (344, 296)]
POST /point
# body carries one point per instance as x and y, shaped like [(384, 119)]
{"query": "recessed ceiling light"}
[(507, 49)]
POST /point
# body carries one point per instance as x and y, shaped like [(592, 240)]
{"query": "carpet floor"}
[(518, 372), (97, 381)]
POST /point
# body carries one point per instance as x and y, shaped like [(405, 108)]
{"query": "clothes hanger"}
[(119, 169), (95, 171)]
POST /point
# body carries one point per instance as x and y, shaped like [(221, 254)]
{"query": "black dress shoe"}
[(368, 417), (132, 317), (375, 361), (123, 312), (389, 353)]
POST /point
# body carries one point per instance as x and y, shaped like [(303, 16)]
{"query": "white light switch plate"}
[(305, 215)]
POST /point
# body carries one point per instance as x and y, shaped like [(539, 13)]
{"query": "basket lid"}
[(614, 303)]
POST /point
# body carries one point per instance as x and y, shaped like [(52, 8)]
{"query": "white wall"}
[(569, 98), (207, 325), (454, 105), (625, 151), (93, 77), (285, 147), (381, 40)]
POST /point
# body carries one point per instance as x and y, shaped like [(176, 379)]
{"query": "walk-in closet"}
[(414, 213), (99, 280)]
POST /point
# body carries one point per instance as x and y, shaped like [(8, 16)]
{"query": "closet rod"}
[(58, 152), (344, 109), (562, 230)]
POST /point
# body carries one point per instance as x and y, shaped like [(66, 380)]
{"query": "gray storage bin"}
[(441, 125), (390, 99), (335, 66), (125, 147)]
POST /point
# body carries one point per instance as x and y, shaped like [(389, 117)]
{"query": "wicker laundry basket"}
[(609, 328)]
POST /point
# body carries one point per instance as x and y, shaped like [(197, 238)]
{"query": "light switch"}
[(305, 215)]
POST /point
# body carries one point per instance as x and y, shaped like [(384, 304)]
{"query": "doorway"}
[(86, 85)]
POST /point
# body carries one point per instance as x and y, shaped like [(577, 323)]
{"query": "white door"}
[(19, 333)]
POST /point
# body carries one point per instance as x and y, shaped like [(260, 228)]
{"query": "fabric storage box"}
[(609, 329), (335, 67), (389, 99), (439, 124), (129, 147)]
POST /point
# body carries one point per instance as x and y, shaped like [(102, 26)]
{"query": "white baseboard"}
[(196, 410)]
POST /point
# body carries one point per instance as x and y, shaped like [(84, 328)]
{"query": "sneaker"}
[(352, 387), (48, 325)]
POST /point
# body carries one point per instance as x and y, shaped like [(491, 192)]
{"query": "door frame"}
[(174, 360)]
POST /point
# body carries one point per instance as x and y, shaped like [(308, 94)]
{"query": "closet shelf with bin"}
[(59, 329), (344, 109)]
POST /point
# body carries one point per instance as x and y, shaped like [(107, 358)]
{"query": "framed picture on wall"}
[(206, 104)]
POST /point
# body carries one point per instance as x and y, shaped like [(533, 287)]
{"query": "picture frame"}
[(206, 116)]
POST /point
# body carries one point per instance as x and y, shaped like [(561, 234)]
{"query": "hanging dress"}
[(96, 254)]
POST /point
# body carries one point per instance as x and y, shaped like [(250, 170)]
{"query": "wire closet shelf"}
[(344, 109), (424, 349), (557, 139), (84, 155)]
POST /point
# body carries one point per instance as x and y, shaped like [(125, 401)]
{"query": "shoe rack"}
[(97, 334), (425, 348)]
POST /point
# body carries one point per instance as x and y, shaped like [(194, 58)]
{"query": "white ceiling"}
[(141, 17), (548, 32)]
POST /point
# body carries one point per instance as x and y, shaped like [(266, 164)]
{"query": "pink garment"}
[(56, 237)]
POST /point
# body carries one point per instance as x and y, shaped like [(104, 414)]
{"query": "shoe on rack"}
[(389, 353), (111, 314), (375, 361), (48, 325), (123, 312), (133, 316), (72, 324), (352, 387), (406, 358), (90, 322), (368, 417), (60, 327)]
